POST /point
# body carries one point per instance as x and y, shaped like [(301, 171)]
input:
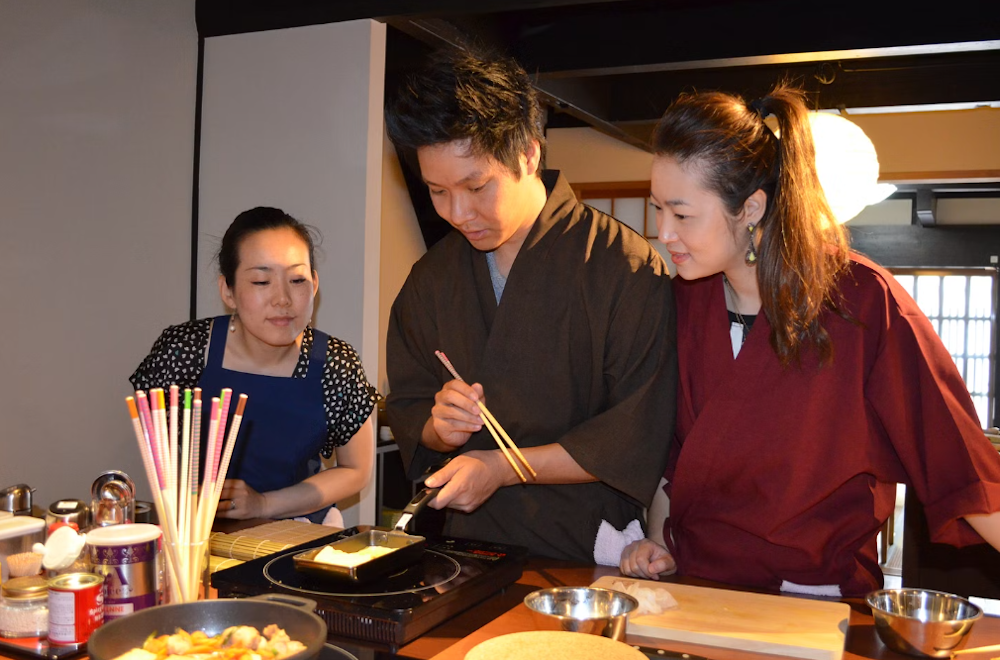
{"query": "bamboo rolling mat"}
[(221, 563), (232, 549)]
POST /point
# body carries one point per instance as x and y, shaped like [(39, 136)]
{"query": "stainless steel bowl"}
[(921, 622), (582, 609)]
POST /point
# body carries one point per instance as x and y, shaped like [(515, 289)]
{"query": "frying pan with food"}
[(404, 549), (292, 613)]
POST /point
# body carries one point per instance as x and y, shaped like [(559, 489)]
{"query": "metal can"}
[(76, 607), (127, 556)]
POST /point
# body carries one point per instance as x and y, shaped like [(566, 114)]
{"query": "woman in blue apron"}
[(308, 394)]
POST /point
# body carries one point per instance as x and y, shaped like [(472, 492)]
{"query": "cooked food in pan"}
[(234, 643), (331, 555)]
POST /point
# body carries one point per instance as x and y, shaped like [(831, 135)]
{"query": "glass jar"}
[(80, 565), (24, 611)]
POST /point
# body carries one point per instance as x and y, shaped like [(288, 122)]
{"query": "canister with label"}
[(76, 607), (127, 556)]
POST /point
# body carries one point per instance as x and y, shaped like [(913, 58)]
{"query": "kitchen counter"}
[(505, 613)]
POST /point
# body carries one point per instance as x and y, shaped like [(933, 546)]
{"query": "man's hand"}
[(646, 559), (454, 417), (469, 480)]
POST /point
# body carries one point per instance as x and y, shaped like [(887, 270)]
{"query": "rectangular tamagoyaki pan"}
[(406, 548)]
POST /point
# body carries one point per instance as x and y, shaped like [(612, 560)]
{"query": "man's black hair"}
[(458, 96)]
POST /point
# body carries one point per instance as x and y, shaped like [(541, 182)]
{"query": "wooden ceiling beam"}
[(926, 80), (617, 64), (573, 97), (220, 17), (638, 37)]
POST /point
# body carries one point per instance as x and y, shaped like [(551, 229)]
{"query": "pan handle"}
[(288, 599), (420, 500), (414, 507)]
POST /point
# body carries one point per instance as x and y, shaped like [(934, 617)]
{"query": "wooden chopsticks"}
[(977, 649), (491, 423)]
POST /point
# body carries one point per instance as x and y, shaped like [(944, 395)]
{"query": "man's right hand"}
[(646, 559), (454, 417), (470, 479)]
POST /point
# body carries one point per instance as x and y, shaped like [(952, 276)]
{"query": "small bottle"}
[(24, 611)]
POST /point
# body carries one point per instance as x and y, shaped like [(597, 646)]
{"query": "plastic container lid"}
[(19, 526), (115, 535), (61, 549), (24, 588)]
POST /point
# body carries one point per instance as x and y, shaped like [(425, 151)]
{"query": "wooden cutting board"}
[(781, 625)]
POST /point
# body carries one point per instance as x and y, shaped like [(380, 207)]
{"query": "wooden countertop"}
[(505, 613)]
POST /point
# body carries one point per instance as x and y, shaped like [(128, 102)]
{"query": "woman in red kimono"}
[(810, 382)]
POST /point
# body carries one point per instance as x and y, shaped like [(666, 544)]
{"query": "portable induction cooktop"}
[(451, 576)]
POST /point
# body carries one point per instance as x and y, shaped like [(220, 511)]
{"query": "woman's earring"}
[(751, 257), (232, 323)]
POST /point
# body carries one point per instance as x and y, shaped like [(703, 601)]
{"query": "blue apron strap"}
[(217, 345), (317, 355), (317, 362)]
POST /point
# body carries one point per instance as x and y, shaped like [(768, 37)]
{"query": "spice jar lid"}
[(26, 587)]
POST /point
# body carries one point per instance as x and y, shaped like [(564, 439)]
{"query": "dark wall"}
[(916, 246)]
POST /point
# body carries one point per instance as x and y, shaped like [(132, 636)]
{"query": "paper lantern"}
[(847, 165)]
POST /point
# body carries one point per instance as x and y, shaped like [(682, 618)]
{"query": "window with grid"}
[(628, 201), (960, 304)]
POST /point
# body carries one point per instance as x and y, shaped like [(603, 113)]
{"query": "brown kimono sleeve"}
[(413, 378), (626, 445)]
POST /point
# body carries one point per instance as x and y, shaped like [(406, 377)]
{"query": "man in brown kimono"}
[(560, 318)]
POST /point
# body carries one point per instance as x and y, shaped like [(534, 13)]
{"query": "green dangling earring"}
[(751, 257)]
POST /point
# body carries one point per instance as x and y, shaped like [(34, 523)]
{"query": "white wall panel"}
[(97, 132), (293, 119)]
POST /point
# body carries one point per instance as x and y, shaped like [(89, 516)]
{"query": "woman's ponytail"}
[(801, 250)]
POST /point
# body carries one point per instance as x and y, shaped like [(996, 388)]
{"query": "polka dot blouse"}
[(178, 358)]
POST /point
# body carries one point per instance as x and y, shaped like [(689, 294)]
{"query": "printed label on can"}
[(130, 576), (76, 607)]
